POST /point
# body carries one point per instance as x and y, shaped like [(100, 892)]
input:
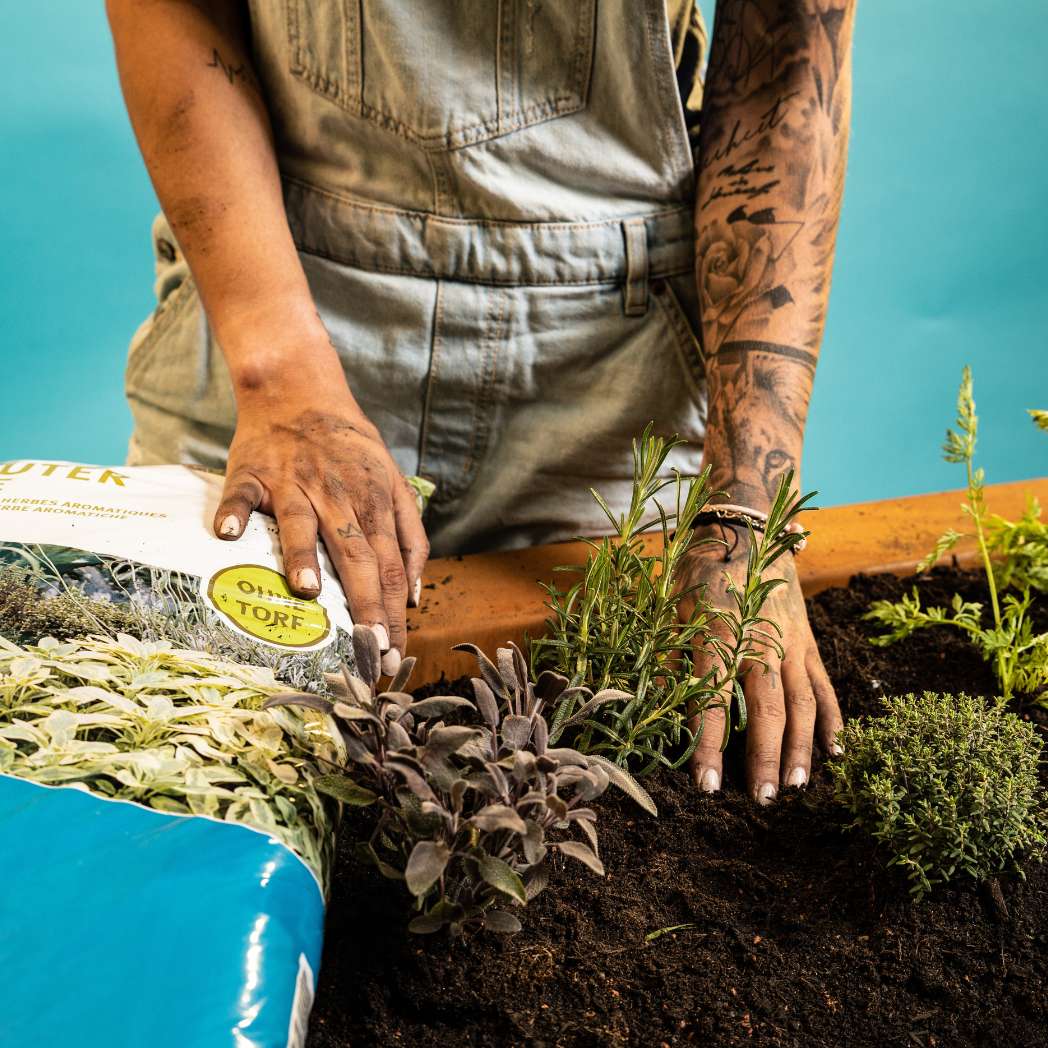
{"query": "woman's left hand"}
[(789, 699)]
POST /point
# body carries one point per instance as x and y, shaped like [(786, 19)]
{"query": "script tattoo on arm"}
[(235, 73), (773, 150)]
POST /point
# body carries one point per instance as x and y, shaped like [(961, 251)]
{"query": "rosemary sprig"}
[(618, 625)]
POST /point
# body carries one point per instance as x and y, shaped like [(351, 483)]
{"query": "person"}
[(472, 240)]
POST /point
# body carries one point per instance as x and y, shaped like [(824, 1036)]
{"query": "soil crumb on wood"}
[(789, 931)]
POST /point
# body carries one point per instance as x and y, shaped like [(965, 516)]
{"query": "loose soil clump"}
[(720, 923)]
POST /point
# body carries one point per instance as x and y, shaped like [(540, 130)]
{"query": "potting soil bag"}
[(163, 852)]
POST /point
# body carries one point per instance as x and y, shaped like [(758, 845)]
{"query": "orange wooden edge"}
[(491, 598)]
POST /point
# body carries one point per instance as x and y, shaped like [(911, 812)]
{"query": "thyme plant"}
[(1019, 656), (618, 626), (948, 784), (472, 800)]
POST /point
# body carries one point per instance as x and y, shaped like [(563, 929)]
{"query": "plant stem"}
[(977, 514)]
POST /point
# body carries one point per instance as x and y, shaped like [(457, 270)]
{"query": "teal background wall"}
[(943, 255)]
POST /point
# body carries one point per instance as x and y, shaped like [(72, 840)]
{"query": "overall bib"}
[(493, 203)]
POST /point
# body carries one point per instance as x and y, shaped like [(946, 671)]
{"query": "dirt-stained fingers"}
[(707, 762), (376, 516), (411, 536), (357, 567), (297, 524), (828, 720), (800, 723), (766, 725), (242, 494)]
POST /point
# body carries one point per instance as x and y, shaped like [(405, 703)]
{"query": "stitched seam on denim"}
[(431, 374), (537, 113), (353, 42), (501, 49), (485, 279), (480, 430), (686, 345), (562, 104), (444, 200), (322, 83), (656, 25), (422, 216), (586, 37)]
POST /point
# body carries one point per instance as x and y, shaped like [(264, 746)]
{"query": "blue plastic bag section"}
[(122, 927)]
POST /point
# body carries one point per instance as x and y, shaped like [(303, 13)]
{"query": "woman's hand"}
[(305, 453), (789, 700)]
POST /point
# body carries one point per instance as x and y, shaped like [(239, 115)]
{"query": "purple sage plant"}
[(472, 799)]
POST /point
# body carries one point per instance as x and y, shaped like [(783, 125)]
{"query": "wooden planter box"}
[(491, 598)]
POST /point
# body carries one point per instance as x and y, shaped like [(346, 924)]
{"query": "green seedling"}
[(1018, 655)]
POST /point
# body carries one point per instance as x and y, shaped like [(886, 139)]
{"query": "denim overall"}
[(493, 202)]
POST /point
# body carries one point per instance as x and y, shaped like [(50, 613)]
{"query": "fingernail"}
[(710, 781), (230, 525), (765, 793), (416, 593), (836, 750), (797, 777), (391, 662), (381, 636), (306, 579)]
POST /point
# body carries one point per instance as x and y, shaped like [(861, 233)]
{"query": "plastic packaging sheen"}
[(163, 851)]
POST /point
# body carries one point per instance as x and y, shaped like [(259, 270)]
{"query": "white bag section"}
[(162, 516)]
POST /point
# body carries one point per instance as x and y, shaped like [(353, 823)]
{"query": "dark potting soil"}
[(794, 933)]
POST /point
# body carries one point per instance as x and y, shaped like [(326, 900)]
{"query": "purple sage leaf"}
[(427, 862), (438, 705), (501, 922), (366, 654), (584, 854), (498, 817), (299, 698), (489, 708), (516, 731)]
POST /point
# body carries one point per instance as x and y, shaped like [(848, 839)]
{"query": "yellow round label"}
[(257, 600)]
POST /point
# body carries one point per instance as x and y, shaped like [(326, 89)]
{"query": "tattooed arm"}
[(303, 450), (773, 150)]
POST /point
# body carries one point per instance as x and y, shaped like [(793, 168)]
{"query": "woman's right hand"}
[(304, 453), (303, 450)]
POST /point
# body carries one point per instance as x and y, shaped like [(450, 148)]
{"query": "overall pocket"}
[(446, 73)]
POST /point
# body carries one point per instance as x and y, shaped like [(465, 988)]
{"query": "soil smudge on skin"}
[(794, 932)]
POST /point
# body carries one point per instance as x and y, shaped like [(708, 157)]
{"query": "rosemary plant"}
[(1019, 656), (618, 625)]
